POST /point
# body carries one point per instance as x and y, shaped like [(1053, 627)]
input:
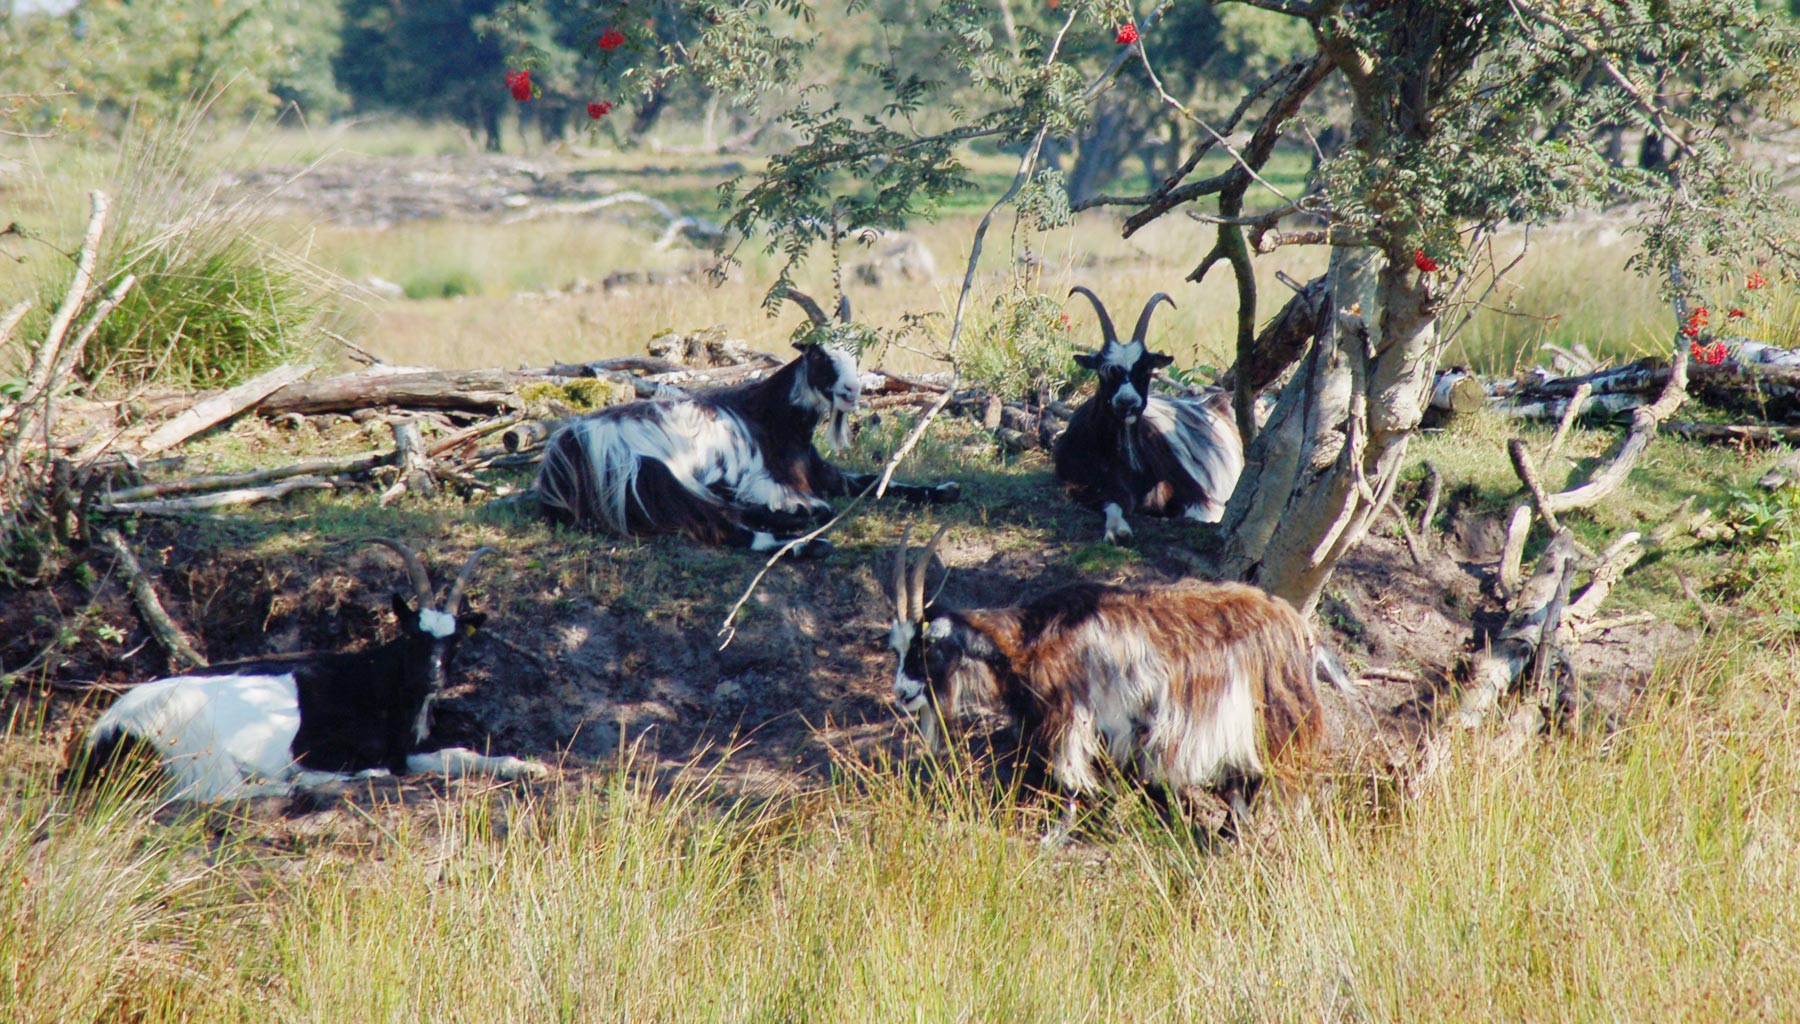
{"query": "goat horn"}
[(462, 579), (805, 302), (901, 612), (843, 309), (415, 569), (1106, 324), (1143, 324), (916, 591)]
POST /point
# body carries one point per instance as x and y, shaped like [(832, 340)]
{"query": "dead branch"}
[(415, 471), (1624, 458), (318, 467), (1513, 553), (1491, 672), (218, 499), (223, 406), (1521, 463), (1577, 402), (149, 606), (1735, 432), (412, 388)]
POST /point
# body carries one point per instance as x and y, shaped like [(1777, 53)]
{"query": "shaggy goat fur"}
[(1127, 450), (734, 466), (1186, 686)]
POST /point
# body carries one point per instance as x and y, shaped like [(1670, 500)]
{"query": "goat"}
[(1190, 686), (272, 726), (733, 466), (1128, 450)]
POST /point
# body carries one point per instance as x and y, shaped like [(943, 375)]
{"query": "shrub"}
[(1024, 347), (214, 303)]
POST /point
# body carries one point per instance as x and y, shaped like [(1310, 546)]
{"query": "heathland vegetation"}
[(746, 831)]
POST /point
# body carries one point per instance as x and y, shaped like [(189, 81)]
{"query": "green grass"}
[(1646, 875)]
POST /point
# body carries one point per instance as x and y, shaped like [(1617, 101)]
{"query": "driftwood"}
[(217, 409), (181, 652)]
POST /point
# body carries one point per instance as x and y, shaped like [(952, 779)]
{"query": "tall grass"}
[(214, 302), (1649, 874)]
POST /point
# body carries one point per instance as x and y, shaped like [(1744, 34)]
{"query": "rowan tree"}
[(1458, 117)]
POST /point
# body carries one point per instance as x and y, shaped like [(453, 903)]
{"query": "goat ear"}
[(1088, 361), (1157, 360), (468, 622)]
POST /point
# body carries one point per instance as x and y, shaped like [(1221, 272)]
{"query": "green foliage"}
[(149, 59), (430, 59), (212, 303), (1023, 348)]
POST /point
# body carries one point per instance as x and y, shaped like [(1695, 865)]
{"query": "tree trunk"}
[(1330, 453)]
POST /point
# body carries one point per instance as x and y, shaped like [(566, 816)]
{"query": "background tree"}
[(428, 59)]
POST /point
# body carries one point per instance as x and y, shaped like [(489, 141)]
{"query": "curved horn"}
[(805, 302), (1143, 324), (1106, 324), (901, 612), (916, 587), (462, 579), (843, 309), (415, 569)]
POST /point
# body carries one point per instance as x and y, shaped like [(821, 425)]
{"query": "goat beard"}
[(837, 430)]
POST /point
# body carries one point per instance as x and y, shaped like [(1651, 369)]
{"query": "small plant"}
[(1026, 348)]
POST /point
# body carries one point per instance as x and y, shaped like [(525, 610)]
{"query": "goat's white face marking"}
[(439, 624), (848, 389), (909, 693), (1125, 356)]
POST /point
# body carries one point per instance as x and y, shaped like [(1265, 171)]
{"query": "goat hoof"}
[(946, 494), (815, 549)]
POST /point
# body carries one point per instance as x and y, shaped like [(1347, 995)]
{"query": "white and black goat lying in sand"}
[(734, 466), (1127, 450), (1188, 686), (273, 726)]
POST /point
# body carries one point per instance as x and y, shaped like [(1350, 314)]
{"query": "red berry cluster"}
[(600, 109), (1426, 264), (1708, 355), (611, 40), (1696, 320), (519, 82), (1128, 34)]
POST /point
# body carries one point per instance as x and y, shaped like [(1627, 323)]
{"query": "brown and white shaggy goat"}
[(1188, 686)]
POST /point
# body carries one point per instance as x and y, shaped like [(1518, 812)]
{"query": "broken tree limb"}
[(181, 652), (1282, 341), (471, 434), (1457, 391), (218, 499), (1492, 672), (317, 467), (212, 411), (1608, 480), (414, 465), (1521, 463), (1735, 432), (412, 388), (1554, 408), (1577, 402), (1518, 528)]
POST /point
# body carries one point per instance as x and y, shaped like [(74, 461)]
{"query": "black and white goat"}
[(1188, 686), (1127, 450), (732, 466), (273, 726)]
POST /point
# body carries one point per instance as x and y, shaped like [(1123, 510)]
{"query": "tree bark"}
[(1330, 454)]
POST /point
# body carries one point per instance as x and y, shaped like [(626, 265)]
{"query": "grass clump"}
[(213, 303)]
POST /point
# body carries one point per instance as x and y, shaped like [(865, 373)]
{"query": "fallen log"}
[(1734, 432), (412, 388), (1457, 391)]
